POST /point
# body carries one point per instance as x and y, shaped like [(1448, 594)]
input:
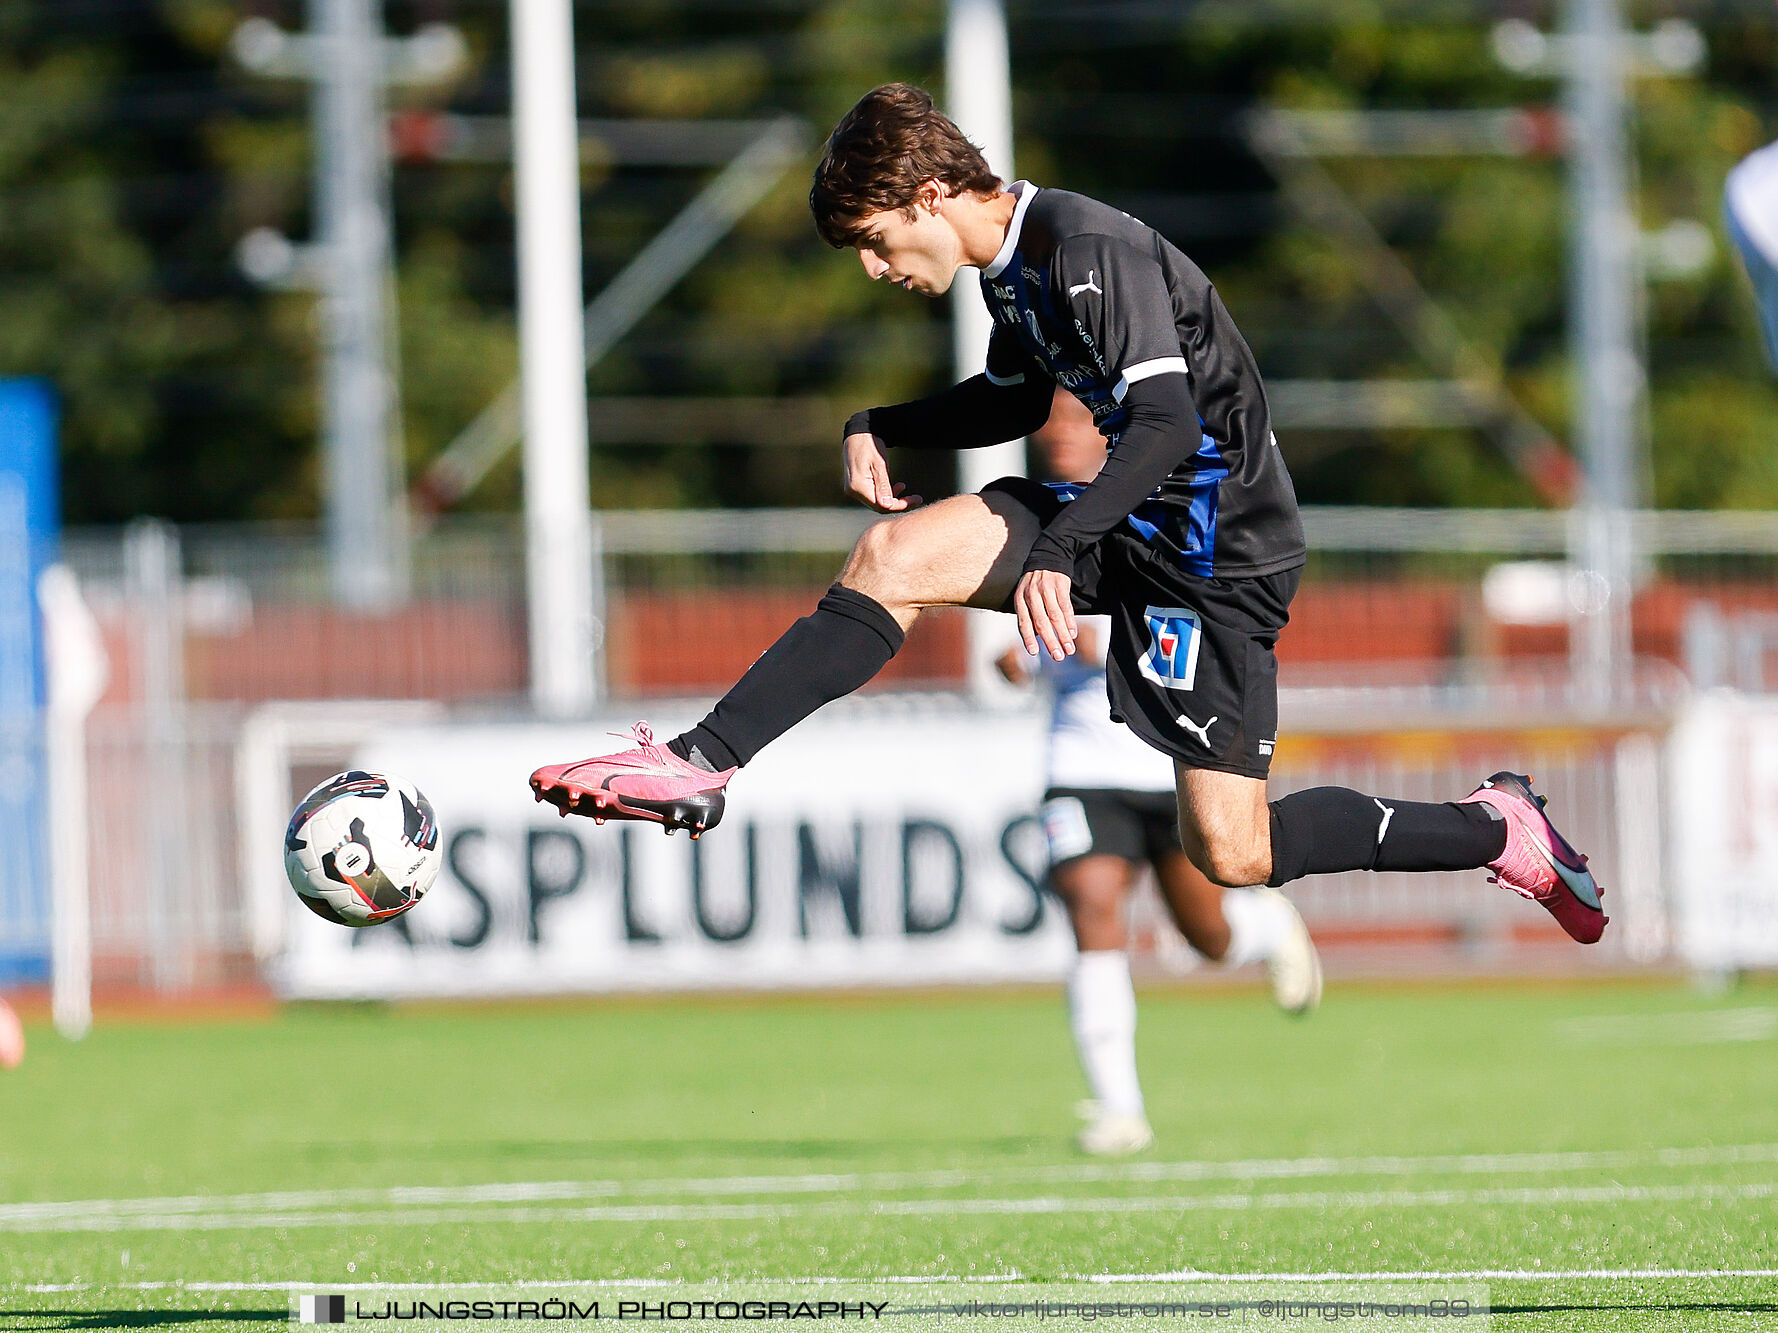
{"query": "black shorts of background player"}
[(1189, 537)]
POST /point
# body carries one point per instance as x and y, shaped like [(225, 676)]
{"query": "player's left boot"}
[(649, 783), (1538, 862), (1294, 967)]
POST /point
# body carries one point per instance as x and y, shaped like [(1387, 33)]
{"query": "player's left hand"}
[(1045, 605)]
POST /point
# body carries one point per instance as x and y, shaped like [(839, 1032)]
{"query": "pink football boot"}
[(1538, 863), (650, 783)]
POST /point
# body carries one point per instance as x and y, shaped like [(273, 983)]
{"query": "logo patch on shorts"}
[(1066, 828), (1171, 659)]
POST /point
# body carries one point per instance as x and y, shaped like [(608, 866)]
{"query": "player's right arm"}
[(1119, 299), (1008, 401)]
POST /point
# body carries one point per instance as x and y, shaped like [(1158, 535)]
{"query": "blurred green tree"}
[(134, 155)]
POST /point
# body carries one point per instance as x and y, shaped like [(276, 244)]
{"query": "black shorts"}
[(1191, 667), (1097, 821)]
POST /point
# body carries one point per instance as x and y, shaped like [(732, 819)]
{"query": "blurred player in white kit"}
[(1108, 811)]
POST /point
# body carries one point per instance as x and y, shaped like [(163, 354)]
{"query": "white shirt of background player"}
[(1086, 748)]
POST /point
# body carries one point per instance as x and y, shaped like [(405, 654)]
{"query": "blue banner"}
[(29, 529)]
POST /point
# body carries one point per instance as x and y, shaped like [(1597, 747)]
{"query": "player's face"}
[(920, 254)]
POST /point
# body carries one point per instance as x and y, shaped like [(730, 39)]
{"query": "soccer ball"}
[(362, 848)]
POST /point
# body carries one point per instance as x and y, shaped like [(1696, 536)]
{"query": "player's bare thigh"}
[(1225, 825), (967, 550)]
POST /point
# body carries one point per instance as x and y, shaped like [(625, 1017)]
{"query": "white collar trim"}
[(1026, 192)]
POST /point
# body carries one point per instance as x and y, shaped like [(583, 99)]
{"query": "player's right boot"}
[(1538, 862), (649, 783), (1294, 967)]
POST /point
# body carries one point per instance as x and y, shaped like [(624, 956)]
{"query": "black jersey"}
[(1090, 298)]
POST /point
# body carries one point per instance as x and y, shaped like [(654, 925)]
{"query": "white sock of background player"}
[(1102, 1014), (1258, 924)]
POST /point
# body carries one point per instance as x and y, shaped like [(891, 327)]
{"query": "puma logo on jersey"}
[(1088, 286), (1203, 732)]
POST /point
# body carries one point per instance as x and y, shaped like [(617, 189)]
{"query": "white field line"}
[(1184, 1275), (1672, 1029), (533, 1284), (1439, 1275), (20, 1216), (929, 1207)]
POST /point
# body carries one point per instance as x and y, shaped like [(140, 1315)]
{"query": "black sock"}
[(846, 641), (1325, 829)]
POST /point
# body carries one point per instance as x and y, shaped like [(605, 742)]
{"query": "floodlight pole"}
[(366, 515), (552, 357), (1608, 262), (978, 96), (345, 54), (1604, 259)]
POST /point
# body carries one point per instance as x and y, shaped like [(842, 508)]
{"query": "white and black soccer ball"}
[(362, 848)]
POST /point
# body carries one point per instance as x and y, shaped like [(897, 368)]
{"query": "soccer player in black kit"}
[(1189, 538)]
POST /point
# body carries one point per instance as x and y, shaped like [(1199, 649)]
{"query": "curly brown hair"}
[(887, 146)]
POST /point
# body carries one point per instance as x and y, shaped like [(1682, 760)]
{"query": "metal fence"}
[(164, 840), (1428, 598), (1426, 649)]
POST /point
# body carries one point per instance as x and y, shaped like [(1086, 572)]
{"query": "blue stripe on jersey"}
[(1146, 529), (1199, 551), (1197, 547)]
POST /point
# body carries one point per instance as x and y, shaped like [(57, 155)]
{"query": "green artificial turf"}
[(1453, 1131)]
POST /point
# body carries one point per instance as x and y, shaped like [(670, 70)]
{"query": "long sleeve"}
[(1162, 432), (969, 415)]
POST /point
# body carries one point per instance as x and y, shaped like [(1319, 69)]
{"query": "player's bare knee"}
[(1233, 865), (880, 563)]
